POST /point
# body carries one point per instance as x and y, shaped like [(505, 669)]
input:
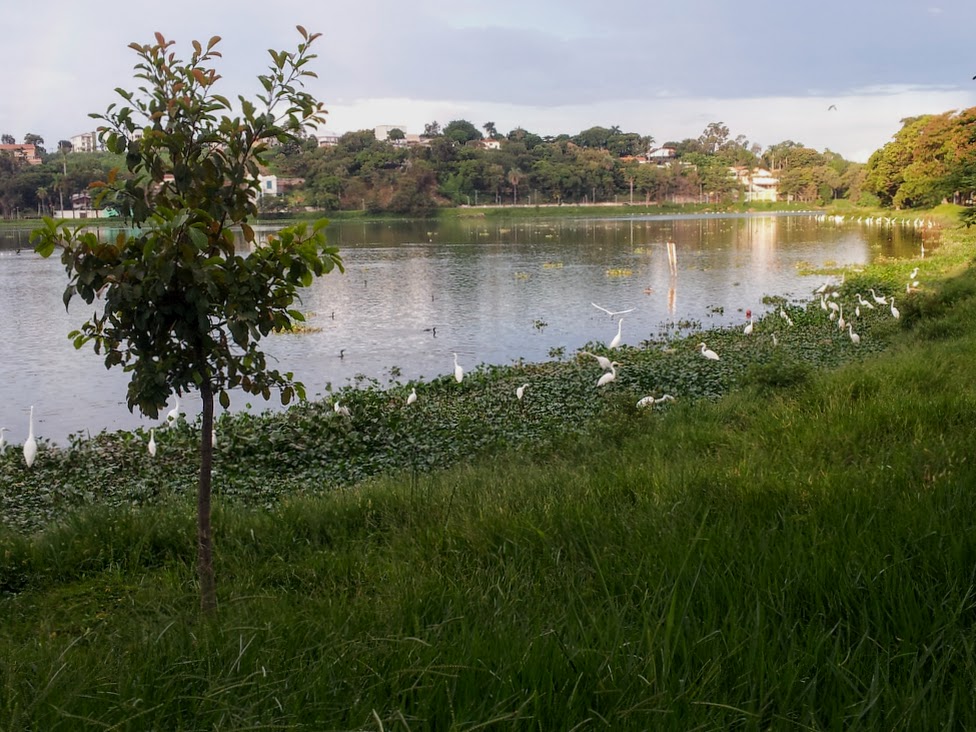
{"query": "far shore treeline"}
[(930, 160)]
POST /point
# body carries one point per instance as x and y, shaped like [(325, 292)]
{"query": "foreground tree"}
[(181, 308)]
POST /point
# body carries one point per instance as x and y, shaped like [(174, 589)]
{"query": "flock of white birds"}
[(828, 303)]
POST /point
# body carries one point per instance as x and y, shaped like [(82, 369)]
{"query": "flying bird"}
[(832, 107), (611, 313)]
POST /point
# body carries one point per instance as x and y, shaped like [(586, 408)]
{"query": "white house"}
[(759, 183), (85, 142), (269, 185)]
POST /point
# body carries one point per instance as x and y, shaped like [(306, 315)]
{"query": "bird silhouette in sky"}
[(834, 106)]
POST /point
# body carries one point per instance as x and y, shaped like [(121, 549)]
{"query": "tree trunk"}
[(205, 569)]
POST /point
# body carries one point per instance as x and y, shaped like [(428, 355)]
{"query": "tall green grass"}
[(798, 554)]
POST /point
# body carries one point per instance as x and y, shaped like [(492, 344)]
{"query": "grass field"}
[(791, 544)]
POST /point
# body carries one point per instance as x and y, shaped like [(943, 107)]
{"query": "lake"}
[(493, 291)]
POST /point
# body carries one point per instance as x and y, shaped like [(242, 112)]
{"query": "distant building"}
[(272, 185), (330, 139), (661, 155), (269, 185), (22, 153), (85, 142), (759, 183), (382, 132)]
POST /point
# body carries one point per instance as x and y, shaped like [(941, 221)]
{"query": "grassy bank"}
[(788, 545)]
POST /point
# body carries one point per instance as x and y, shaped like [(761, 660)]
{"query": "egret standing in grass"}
[(708, 353), (602, 360), (30, 447), (174, 413), (339, 409), (458, 371), (650, 401), (413, 396), (152, 443), (520, 392), (855, 338), (3, 442), (748, 329), (894, 311), (608, 377), (616, 339), (878, 298)]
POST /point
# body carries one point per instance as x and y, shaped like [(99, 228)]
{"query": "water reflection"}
[(492, 290)]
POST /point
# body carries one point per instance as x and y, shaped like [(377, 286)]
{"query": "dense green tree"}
[(182, 308), (36, 140), (461, 131)]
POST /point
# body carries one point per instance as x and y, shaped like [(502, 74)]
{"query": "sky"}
[(767, 69)]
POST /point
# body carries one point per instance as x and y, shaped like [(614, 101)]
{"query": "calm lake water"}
[(413, 293)]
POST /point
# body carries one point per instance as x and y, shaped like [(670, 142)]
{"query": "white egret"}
[(458, 371), (914, 274), (612, 313), (833, 306), (855, 338), (862, 301), (3, 442), (152, 443), (708, 353), (30, 447), (339, 409), (616, 339), (413, 396), (784, 316), (841, 323), (823, 303), (878, 298), (748, 329), (820, 290), (857, 310), (775, 340), (894, 311), (520, 392), (650, 401), (174, 413), (602, 360), (610, 376)]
